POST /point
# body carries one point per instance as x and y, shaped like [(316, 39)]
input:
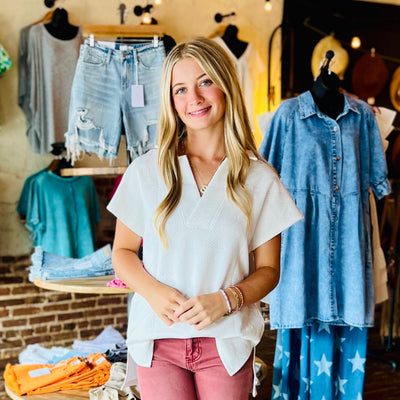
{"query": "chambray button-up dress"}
[(328, 167)]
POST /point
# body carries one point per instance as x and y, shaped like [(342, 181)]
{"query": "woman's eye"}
[(179, 91), (206, 82)]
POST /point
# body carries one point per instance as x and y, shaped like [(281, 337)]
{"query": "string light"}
[(267, 5), (146, 19), (157, 2), (355, 42)]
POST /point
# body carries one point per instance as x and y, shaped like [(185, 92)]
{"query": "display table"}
[(82, 394), (95, 285)]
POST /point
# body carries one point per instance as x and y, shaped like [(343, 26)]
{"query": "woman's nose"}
[(195, 97)]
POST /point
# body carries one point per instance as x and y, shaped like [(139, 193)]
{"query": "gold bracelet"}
[(233, 291), (241, 297)]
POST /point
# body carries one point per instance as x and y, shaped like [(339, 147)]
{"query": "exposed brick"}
[(109, 300), (26, 332), (119, 310), (4, 291), (7, 280), (42, 319), (90, 333), (17, 312), (10, 301), (76, 315), (59, 296), (55, 328), (56, 307), (24, 289), (40, 329), (4, 313), (69, 327), (108, 321), (84, 304), (4, 270), (14, 322), (38, 339)]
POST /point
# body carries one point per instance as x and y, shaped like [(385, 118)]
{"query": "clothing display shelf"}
[(82, 394), (97, 284), (80, 171)]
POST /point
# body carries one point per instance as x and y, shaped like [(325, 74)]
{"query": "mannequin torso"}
[(59, 27)]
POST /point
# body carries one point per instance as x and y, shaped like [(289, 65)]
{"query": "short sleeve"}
[(276, 212), (127, 202)]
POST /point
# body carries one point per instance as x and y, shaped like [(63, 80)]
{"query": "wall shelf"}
[(91, 171), (97, 285)]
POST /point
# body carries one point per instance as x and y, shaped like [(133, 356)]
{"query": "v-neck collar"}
[(201, 211)]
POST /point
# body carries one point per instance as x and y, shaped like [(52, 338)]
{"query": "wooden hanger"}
[(46, 18), (108, 31)]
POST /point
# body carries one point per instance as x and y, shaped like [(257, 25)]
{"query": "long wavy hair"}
[(239, 140)]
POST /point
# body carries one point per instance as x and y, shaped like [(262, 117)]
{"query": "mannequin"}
[(325, 92), (236, 45), (59, 27)]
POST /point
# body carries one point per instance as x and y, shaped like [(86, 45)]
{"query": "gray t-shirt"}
[(51, 65)]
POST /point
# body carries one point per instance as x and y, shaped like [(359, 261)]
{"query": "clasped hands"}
[(199, 311)]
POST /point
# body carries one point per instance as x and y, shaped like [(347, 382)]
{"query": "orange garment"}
[(73, 373)]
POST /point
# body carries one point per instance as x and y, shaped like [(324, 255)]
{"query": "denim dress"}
[(328, 167)]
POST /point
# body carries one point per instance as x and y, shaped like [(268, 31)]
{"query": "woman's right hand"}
[(164, 300)]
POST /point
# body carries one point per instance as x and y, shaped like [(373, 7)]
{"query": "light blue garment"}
[(328, 167), (62, 214), (321, 361), (106, 80), (46, 265)]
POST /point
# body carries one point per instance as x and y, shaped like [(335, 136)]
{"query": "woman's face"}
[(199, 103)]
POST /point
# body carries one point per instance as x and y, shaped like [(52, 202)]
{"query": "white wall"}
[(181, 18)]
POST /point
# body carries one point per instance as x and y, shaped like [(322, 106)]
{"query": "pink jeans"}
[(191, 369)]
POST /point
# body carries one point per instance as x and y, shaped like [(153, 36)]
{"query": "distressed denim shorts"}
[(114, 88)]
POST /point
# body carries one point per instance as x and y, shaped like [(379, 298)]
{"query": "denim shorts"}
[(101, 103)]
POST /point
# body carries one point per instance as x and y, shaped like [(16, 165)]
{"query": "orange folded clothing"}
[(73, 373)]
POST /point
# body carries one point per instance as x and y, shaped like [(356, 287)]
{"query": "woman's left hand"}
[(202, 311)]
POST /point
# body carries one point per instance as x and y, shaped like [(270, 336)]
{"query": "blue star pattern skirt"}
[(320, 362)]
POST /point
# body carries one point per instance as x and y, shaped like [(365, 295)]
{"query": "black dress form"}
[(59, 27), (325, 92), (230, 38)]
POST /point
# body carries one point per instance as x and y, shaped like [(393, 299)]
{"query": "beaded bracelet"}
[(227, 302), (233, 291), (240, 294)]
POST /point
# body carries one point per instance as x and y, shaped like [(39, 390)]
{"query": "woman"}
[(210, 213)]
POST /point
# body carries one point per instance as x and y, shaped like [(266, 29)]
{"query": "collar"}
[(308, 107)]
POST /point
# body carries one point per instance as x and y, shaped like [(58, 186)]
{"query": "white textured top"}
[(208, 249)]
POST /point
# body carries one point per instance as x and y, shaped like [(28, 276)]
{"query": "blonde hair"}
[(239, 140)]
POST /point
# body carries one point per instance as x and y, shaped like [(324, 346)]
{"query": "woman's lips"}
[(200, 112)]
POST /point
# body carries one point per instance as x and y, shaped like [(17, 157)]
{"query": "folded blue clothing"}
[(46, 265)]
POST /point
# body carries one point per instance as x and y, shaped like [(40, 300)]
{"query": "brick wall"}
[(29, 314)]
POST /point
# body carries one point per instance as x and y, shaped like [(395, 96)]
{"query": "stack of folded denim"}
[(51, 266)]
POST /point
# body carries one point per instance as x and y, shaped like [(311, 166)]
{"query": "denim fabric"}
[(46, 265), (328, 167), (320, 362), (101, 99), (62, 214)]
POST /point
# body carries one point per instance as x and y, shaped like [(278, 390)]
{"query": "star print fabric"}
[(320, 362)]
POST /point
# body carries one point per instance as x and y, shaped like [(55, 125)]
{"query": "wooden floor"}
[(382, 382)]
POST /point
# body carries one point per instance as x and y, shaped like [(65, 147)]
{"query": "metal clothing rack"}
[(393, 263)]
